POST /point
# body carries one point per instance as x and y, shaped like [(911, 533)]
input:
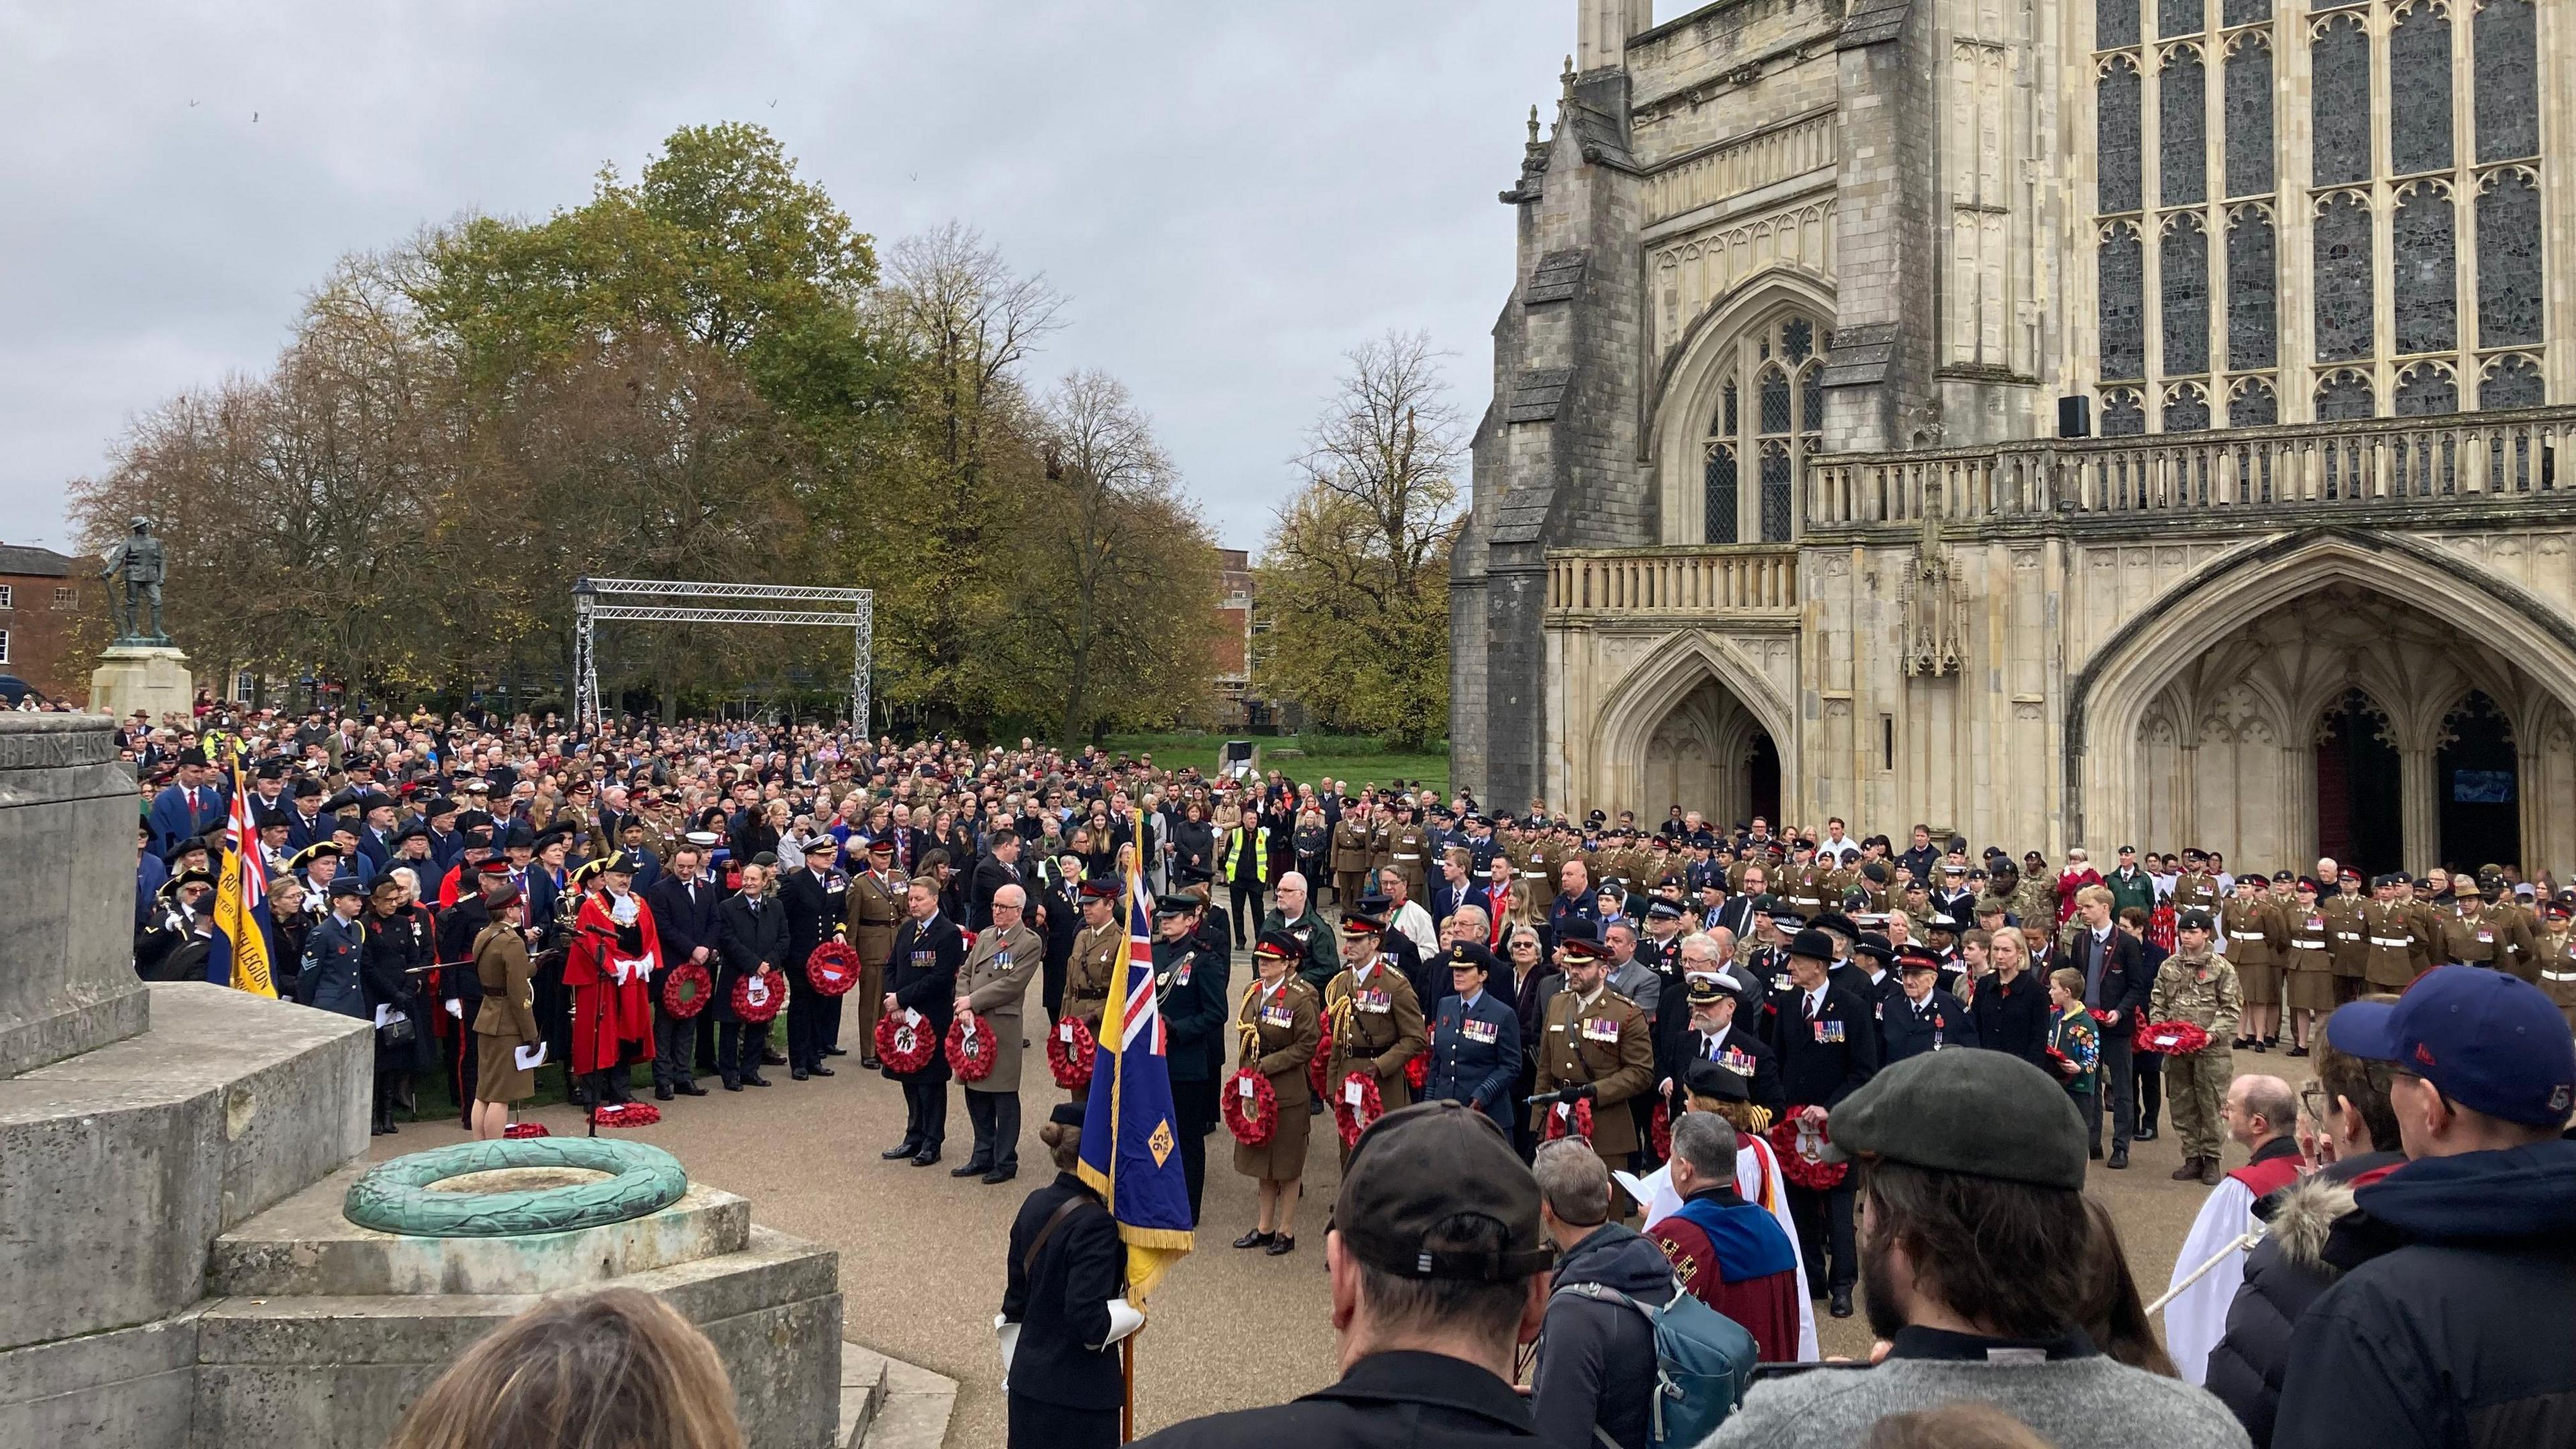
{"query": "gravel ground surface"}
[(921, 1253)]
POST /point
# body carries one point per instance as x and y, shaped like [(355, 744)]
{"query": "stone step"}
[(863, 1387), (915, 1411), (305, 1246)]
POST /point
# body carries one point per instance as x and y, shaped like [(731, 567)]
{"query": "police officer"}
[(1475, 1037), (1190, 981), (1828, 1043)]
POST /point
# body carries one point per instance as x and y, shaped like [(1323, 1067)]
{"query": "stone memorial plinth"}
[(153, 678)]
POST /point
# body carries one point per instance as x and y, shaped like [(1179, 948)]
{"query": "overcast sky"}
[(1232, 194)]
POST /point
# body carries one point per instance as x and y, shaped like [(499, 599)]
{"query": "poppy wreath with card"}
[(757, 999), (1353, 1119), (1251, 1107), (1321, 1061), (685, 989), (2172, 1038), (1069, 1051), (626, 1114), (905, 1041), (833, 968), (1801, 1150), (971, 1047), (1568, 1119)]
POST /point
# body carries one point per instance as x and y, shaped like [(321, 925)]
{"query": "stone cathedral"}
[(2068, 422)]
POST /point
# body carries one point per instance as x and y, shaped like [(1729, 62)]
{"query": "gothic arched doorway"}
[(1762, 777), (2361, 808), (2476, 783), (1708, 754)]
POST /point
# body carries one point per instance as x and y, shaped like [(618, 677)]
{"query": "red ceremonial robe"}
[(1732, 1256), (612, 1019)]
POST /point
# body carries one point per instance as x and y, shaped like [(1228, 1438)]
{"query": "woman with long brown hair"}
[(611, 1370)]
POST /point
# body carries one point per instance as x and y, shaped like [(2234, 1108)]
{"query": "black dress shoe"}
[(1255, 1239), (925, 1157), (2144, 1134), (1279, 1245), (2119, 1160), (836, 1051), (772, 1059), (730, 1086), (970, 1168), (691, 1089), (797, 1075), (905, 1150), (820, 1070), (2298, 1051), (871, 1064), (754, 1079), (1841, 1306), (663, 1093), (1000, 1175)]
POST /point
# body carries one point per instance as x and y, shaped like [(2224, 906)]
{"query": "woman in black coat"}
[(390, 977), (2011, 1007), (1066, 1266), (1193, 841)]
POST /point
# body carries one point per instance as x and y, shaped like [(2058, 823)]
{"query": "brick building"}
[(41, 596), (1234, 644), (2081, 422)]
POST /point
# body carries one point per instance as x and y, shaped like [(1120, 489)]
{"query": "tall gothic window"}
[(2253, 306), (1769, 422), (2122, 281), (2185, 266), (2183, 157), (2427, 268), (2419, 78), (2117, 135), (2339, 60), (2115, 23), (2341, 277), (2179, 17), (2249, 114), (2507, 82), (2509, 256)]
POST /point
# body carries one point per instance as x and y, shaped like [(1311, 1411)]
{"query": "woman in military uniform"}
[(2309, 966), (508, 1019), (1279, 1026), (2255, 942)]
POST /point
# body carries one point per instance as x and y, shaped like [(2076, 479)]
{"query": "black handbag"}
[(396, 1033)]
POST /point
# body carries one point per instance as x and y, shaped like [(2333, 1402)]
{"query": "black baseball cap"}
[(1980, 1114), (1416, 1168)]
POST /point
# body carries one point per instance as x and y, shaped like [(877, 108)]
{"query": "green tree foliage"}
[(1353, 582)]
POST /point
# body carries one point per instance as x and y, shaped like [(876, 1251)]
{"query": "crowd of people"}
[(1753, 1069)]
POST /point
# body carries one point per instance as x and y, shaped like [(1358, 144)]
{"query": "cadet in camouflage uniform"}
[(2199, 987)]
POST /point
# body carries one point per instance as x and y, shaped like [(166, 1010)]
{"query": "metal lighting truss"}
[(857, 614)]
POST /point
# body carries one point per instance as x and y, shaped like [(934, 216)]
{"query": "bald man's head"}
[(2260, 1109)]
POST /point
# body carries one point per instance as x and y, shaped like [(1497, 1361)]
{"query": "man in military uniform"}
[(1095, 955), (2425, 916), (1593, 1044), (2347, 935), (1410, 851), (1373, 1017), (2256, 939), (2195, 889), (1350, 855), (875, 909), (2481, 933), (1381, 849), (816, 900), (1191, 970), (994, 985), (2388, 936), (2198, 986)]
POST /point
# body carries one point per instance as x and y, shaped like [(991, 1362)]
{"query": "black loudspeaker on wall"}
[(2075, 417)]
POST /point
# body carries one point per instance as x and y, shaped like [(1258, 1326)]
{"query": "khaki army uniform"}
[(2492, 936), (2201, 990), (1607, 1043), (1350, 858), (2195, 891), (2347, 942), (1412, 850), (876, 912), (1276, 1035), (1376, 1026), (1806, 890), (1086, 974), (2256, 940), (2558, 972), (1537, 864), (2308, 979), (1381, 848), (2426, 920), (2389, 944)]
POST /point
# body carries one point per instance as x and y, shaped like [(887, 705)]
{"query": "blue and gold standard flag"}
[(1130, 1135), (239, 942)]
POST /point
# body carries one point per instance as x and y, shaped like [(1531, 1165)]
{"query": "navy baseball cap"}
[(2491, 1042)]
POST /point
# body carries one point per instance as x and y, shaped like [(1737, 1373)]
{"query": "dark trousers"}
[(1246, 911), (1195, 1104), (2112, 1092), (706, 1038), (827, 1022), (1052, 1426), (465, 1062), (739, 1049), (996, 1118), (925, 1114), (674, 1041), (1819, 1216), (609, 1087), (805, 1027), (2151, 1087)]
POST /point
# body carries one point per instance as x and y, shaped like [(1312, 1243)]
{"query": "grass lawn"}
[(1340, 757)]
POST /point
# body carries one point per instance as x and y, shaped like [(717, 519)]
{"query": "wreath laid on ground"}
[(1069, 1051), (685, 989), (1352, 1120), (971, 1048), (520, 1131), (1417, 1070), (904, 1042), (1568, 1119), (1251, 1108), (2172, 1038), (626, 1114), (757, 999), (1801, 1150), (1659, 1131), (833, 968)]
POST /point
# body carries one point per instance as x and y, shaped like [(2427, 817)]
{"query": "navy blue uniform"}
[(1476, 1055)]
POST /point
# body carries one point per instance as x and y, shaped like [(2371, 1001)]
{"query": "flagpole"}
[(1127, 1402)]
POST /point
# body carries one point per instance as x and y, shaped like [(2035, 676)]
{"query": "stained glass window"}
[(2187, 409), (1778, 471), (1718, 478), (2249, 117), (2340, 89), (2253, 298), (2426, 259), (2419, 83), (2512, 381), (2425, 389), (2117, 136), (2253, 405), (2345, 312), (2124, 413), (2179, 17), (1775, 400), (2246, 12), (2115, 23), (2343, 396), (2508, 258), (2181, 122), (2123, 284), (2508, 108), (2186, 296), (1798, 339)]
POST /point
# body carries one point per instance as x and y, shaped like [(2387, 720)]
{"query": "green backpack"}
[(1703, 1364)]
